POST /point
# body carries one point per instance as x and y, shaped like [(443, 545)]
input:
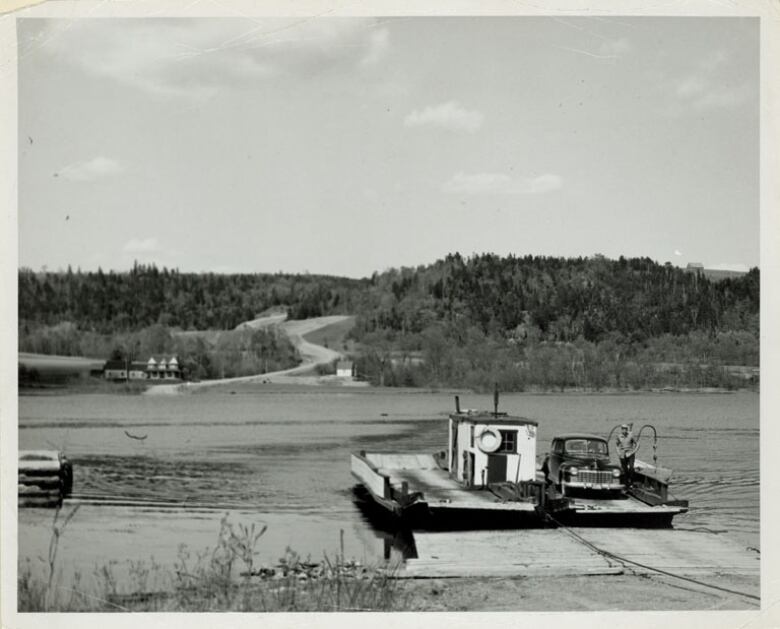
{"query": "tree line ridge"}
[(528, 321)]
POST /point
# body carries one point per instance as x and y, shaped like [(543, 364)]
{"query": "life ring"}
[(489, 440)]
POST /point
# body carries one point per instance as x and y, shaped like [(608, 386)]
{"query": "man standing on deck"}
[(626, 448)]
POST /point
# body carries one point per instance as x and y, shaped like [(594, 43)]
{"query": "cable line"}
[(618, 558)]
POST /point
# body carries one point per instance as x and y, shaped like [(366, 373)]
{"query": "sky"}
[(346, 146)]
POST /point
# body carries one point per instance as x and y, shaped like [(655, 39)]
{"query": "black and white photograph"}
[(380, 311)]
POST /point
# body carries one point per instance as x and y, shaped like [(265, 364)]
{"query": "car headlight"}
[(573, 471), (615, 473)]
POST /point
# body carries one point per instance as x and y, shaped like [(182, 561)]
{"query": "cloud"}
[(711, 85), (702, 93), (610, 49), (186, 57), (147, 245), (714, 60), (615, 47), (378, 45), (677, 252), (691, 86), (723, 97), (500, 183), (91, 170), (448, 115)]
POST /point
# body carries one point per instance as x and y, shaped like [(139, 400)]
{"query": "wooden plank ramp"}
[(545, 552), (554, 552), (442, 492), (677, 551)]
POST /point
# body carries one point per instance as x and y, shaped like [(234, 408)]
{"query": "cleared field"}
[(212, 336), (60, 365), (332, 335)]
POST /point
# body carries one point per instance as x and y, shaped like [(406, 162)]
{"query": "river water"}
[(279, 456)]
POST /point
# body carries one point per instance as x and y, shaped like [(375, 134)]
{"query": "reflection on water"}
[(396, 539), (283, 454)]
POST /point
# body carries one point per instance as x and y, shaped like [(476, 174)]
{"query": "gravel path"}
[(311, 354)]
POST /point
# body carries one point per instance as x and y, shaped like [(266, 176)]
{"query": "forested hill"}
[(546, 322), (523, 321), (562, 299), (111, 302)]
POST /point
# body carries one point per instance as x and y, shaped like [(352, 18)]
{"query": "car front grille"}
[(595, 476)]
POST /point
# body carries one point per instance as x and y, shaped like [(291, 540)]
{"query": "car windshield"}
[(586, 446)]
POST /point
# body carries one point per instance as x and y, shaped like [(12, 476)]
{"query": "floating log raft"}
[(45, 478)]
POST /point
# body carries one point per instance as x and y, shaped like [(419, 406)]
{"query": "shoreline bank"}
[(280, 379), (382, 590)]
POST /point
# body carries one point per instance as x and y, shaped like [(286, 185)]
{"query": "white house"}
[(163, 369), (345, 369), (115, 370), (150, 370)]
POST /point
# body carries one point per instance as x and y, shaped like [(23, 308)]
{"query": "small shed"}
[(345, 369)]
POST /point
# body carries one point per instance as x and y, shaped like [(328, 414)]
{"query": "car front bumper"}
[(576, 484)]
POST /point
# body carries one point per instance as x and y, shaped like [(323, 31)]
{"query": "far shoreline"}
[(330, 384)]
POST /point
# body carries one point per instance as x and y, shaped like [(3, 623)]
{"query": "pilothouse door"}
[(496, 468)]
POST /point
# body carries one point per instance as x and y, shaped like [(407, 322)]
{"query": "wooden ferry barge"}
[(488, 478)]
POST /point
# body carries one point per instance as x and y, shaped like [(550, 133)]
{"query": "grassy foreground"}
[(224, 578)]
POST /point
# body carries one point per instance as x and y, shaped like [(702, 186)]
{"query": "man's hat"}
[(624, 425)]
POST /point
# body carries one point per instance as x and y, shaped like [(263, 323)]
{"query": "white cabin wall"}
[(450, 463), (526, 446), (511, 467), (464, 435), (480, 458)]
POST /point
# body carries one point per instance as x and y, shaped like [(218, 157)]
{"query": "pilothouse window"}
[(508, 441)]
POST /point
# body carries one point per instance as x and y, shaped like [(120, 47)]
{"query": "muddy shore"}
[(624, 592)]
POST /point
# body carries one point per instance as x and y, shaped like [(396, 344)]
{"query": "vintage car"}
[(581, 462)]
